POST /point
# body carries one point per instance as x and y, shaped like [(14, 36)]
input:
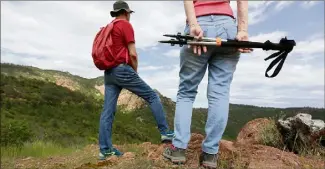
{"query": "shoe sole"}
[(166, 141), (104, 158), (175, 160)]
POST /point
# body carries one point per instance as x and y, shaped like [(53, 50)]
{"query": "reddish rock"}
[(250, 133)]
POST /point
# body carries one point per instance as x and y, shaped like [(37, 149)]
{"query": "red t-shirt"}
[(122, 35)]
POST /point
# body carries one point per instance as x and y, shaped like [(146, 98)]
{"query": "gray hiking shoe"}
[(208, 160), (175, 155)]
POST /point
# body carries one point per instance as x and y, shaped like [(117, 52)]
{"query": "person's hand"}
[(196, 31), (243, 36)]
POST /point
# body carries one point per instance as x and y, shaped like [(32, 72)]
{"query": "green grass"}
[(271, 136), (36, 149), (34, 108)]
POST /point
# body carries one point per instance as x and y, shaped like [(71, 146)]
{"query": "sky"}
[(59, 35)]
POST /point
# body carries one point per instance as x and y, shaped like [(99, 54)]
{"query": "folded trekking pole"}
[(284, 47)]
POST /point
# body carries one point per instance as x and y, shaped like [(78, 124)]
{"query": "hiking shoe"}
[(167, 136), (208, 160), (175, 155), (111, 152)]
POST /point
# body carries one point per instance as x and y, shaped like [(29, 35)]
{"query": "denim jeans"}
[(221, 64), (123, 76)]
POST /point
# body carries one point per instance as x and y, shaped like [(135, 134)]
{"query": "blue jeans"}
[(123, 76), (221, 64)]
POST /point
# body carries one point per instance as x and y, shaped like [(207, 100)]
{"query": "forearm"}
[(242, 15), (190, 12), (133, 56)]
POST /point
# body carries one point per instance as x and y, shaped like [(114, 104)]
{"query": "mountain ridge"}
[(97, 82)]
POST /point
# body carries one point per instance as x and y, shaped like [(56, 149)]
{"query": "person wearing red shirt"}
[(213, 18), (124, 75)]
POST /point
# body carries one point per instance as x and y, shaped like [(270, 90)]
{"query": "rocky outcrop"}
[(130, 101), (302, 133), (66, 82), (126, 99), (251, 133), (231, 155)]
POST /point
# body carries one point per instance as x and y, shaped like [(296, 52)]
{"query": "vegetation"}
[(34, 109), (271, 136)]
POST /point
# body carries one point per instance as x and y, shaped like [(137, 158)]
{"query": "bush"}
[(271, 136), (15, 133)]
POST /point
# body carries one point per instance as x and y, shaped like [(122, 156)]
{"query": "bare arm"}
[(242, 14), (133, 56), (190, 13), (195, 29)]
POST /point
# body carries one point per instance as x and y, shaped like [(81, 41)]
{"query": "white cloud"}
[(310, 47), (37, 28), (150, 68), (298, 84), (59, 35), (251, 71), (172, 53), (256, 10), (283, 4), (272, 36), (308, 4)]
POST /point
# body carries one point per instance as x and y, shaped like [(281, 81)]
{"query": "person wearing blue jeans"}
[(124, 75), (221, 64)]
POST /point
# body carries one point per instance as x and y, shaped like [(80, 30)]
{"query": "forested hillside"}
[(59, 107)]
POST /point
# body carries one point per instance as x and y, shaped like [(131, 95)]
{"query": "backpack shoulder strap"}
[(110, 42)]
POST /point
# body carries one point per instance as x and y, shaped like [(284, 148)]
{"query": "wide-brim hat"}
[(120, 5)]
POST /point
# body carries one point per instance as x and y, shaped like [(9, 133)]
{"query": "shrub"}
[(15, 132)]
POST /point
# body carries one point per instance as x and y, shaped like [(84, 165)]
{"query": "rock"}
[(251, 132), (260, 156), (101, 89), (301, 132), (130, 101), (127, 99), (66, 82), (227, 146), (128, 155), (317, 125)]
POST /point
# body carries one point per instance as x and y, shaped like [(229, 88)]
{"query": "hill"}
[(47, 112), (64, 108)]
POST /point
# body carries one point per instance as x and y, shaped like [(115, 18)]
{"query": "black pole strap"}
[(280, 58)]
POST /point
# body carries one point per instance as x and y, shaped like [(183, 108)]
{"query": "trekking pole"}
[(284, 47)]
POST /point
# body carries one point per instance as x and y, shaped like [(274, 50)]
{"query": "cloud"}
[(309, 4), (39, 30), (150, 68), (256, 10), (49, 35), (283, 4), (172, 53), (295, 82), (310, 46), (298, 83), (272, 36)]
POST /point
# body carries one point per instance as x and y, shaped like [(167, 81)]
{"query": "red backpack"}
[(102, 54)]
